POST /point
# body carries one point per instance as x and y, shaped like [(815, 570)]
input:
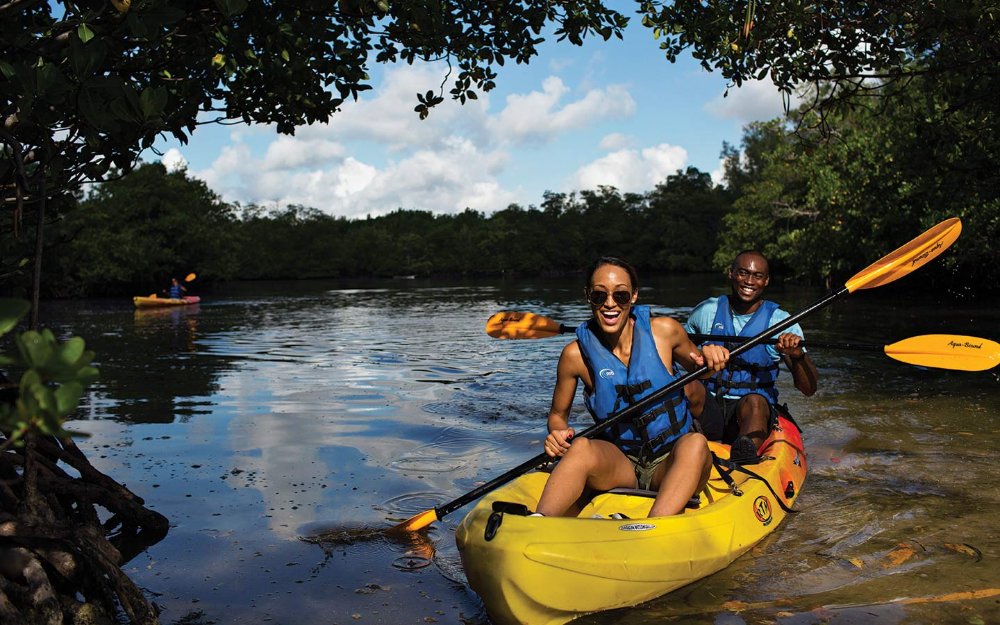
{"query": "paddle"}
[(942, 351), (897, 264)]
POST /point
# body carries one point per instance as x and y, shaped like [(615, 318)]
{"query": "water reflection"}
[(273, 413)]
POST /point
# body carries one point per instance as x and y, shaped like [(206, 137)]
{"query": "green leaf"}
[(35, 349), (84, 33), (11, 311), (152, 101), (67, 397)]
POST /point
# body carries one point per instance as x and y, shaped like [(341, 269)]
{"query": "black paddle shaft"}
[(637, 408), (697, 337)]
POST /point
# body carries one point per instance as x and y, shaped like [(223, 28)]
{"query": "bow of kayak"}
[(549, 570)]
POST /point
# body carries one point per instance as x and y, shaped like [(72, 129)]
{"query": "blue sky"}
[(608, 113)]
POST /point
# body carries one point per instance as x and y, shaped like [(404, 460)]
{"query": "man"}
[(745, 391)]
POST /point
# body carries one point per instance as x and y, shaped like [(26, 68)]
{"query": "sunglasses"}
[(597, 298)]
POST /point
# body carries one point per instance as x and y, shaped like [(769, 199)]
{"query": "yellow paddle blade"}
[(152, 295), (190, 277), (907, 258), (416, 522), (947, 351), (521, 325)]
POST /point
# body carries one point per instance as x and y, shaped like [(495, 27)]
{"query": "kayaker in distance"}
[(622, 356), (176, 289), (743, 398)]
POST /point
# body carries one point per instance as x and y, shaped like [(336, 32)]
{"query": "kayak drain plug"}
[(789, 490)]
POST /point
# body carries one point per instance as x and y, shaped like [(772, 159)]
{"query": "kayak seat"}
[(692, 503)]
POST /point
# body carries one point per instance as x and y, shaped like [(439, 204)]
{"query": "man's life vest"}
[(616, 387), (753, 371)]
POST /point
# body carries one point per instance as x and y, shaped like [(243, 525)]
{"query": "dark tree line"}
[(133, 234)]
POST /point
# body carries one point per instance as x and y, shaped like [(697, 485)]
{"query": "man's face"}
[(749, 276)]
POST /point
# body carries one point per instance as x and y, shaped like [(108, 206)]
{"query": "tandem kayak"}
[(550, 570), (158, 302)]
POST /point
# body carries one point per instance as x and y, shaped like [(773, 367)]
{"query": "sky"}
[(613, 113)]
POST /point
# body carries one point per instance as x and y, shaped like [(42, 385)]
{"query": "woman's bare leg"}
[(684, 472), (589, 463)]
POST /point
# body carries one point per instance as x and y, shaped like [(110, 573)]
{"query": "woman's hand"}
[(712, 356), (558, 441)]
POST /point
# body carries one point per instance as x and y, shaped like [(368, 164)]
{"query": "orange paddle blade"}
[(947, 351), (416, 522), (190, 277), (521, 325), (907, 258)]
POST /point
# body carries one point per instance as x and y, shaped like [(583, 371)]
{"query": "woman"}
[(622, 355)]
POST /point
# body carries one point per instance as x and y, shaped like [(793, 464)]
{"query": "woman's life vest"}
[(753, 371), (175, 292), (617, 386)]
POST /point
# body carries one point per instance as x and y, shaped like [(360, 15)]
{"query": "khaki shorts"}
[(644, 470)]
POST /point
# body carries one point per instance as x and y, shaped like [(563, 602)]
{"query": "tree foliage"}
[(131, 235), (848, 51), (822, 206), (86, 86), (140, 231)]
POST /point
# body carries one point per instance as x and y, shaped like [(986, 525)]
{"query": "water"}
[(281, 427)]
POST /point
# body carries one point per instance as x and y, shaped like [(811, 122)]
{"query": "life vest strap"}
[(629, 392)]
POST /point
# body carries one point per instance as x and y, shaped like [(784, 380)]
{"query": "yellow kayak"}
[(159, 302), (549, 570)]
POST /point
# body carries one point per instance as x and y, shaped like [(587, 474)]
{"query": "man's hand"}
[(790, 345)]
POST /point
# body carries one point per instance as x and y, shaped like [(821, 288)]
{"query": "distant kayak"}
[(158, 302)]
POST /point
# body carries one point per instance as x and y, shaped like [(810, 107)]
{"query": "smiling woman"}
[(631, 356)]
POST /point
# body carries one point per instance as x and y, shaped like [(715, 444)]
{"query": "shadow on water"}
[(282, 427)]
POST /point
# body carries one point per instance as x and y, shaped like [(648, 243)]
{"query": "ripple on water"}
[(452, 450), (402, 507)]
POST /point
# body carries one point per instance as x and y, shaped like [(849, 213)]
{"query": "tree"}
[(682, 219), (140, 231), (821, 208), (86, 86), (848, 51)]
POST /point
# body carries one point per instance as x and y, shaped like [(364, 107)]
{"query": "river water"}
[(281, 427)]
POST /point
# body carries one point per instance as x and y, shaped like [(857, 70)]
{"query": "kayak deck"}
[(549, 570)]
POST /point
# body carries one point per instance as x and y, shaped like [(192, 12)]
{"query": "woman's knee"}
[(692, 444)]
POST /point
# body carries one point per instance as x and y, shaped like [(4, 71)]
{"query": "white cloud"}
[(538, 117), (387, 117), (376, 156), (449, 178), (631, 170), (291, 153), (718, 174), (173, 160), (616, 141), (755, 100)]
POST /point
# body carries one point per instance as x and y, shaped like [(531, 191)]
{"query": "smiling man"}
[(745, 392)]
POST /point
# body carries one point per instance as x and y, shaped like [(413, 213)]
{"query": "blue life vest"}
[(753, 371), (616, 387), (175, 291)]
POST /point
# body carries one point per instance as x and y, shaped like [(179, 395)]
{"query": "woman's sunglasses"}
[(597, 298)]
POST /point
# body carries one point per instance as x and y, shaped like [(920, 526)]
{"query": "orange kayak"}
[(159, 302)]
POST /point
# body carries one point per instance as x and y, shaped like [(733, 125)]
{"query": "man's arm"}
[(804, 372)]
